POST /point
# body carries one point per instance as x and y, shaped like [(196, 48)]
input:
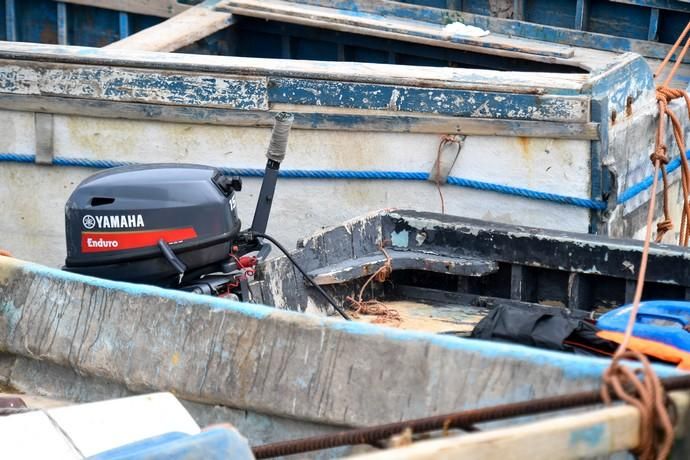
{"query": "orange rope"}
[(641, 387), (5, 253), (375, 307), (445, 140)]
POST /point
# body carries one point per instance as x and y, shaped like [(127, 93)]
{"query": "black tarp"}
[(551, 328)]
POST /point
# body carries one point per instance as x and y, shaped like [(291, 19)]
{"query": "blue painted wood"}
[(672, 5), (653, 32), (518, 9), (62, 23), (582, 15), (3, 21), (252, 32), (92, 26), (458, 103), (10, 21), (599, 190), (548, 12), (553, 22), (618, 19), (124, 25)]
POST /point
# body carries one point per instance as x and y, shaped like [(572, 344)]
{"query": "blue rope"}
[(339, 174), (646, 183)]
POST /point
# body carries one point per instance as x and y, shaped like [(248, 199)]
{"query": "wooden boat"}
[(282, 373), (548, 127)]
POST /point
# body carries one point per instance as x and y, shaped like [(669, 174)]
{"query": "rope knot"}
[(660, 155), (642, 389)]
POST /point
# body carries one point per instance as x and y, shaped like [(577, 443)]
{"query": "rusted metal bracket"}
[(43, 123), (448, 153)]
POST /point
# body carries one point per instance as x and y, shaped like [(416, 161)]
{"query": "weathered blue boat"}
[(545, 121), (288, 372)]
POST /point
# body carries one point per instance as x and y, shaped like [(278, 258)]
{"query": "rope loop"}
[(642, 389)]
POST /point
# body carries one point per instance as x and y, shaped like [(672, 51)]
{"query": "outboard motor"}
[(171, 225)]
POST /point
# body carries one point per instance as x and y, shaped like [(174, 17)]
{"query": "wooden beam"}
[(413, 31), (311, 120), (159, 8), (179, 31), (436, 77), (586, 435)]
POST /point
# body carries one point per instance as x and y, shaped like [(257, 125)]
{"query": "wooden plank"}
[(10, 20), (482, 104), (179, 31), (446, 77), (653, 32), (346, 20), (130, 85), (510, 27), (159, 8), (540, 248), (310, 119), (582, 14), (351, 269), (584, 435), (62, 23)]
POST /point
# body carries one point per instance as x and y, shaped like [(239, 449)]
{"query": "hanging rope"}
[(641, 387), (445, 141), (375, 307)]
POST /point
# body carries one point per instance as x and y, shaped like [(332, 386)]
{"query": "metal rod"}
[(463, 419), (275, 154)]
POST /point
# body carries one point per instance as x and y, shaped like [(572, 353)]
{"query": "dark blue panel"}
[(671, 25), (618, 19), (302, 48), (3, 35), (139, 22), (434, 3), (248, 44), (476, 6), (407, 59), (559, 13), (36, 21), (88, 26), (361, 54), (258, 44)]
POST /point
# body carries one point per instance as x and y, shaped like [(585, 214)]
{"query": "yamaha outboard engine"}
[(171, 225)]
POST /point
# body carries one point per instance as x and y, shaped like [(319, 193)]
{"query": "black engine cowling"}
[(115, 221)]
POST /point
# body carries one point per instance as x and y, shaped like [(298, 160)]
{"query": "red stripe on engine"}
[(119, 241)]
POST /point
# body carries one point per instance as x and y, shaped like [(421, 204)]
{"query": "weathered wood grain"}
[(252, 357), (342, 271), (177, 32), (598, 432), (313, 119), (458, 78), (128, 85), (160, 8), (391, 27)]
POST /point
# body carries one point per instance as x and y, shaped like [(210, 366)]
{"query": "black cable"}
[(325, 294)]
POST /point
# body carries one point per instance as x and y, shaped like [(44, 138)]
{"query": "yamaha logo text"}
[(124, 221)]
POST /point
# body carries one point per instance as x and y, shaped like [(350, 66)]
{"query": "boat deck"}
[(435, 317)]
